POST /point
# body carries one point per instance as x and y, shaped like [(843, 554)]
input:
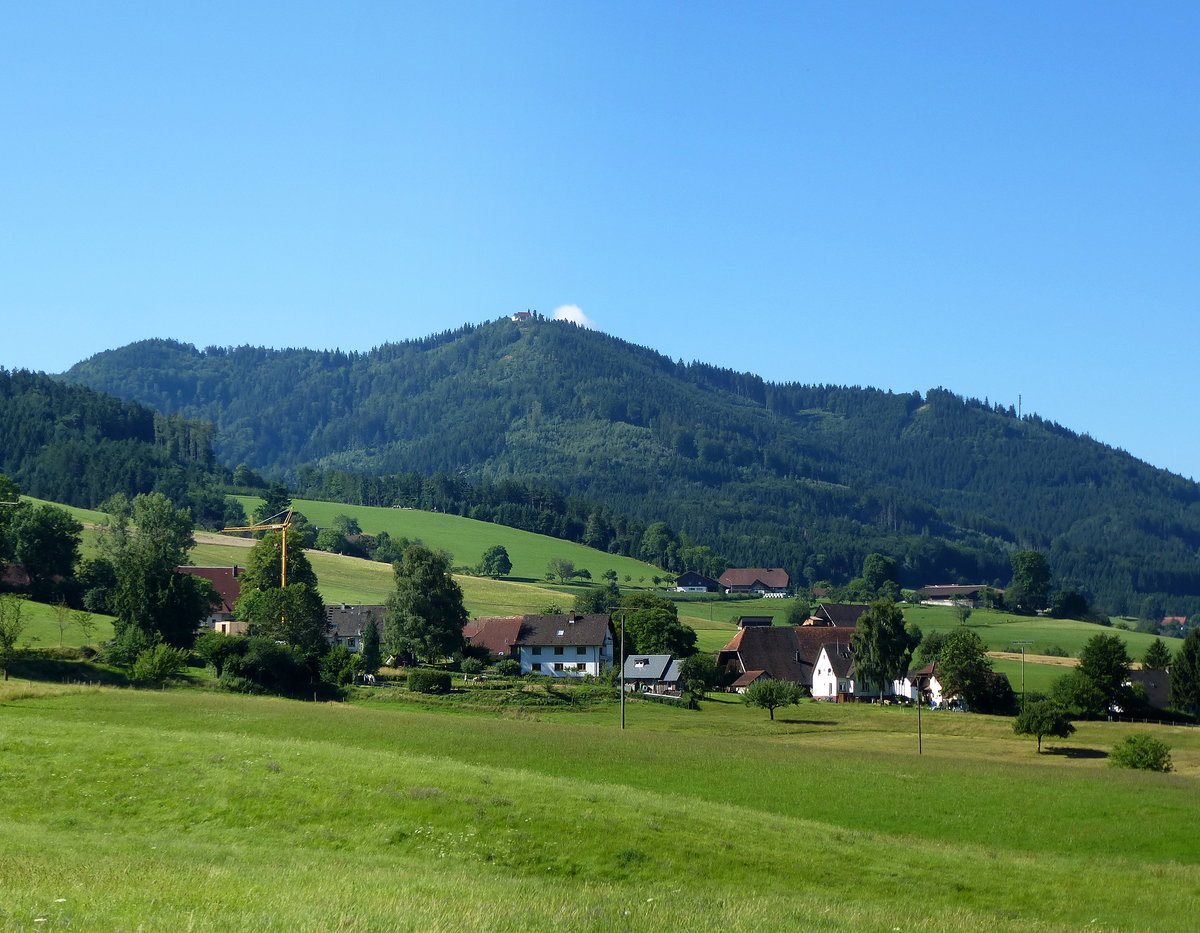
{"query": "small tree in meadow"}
[(1142, 752), (561, 568), (11, 627), (1041, 718), (772, 694), (85, 622), (495, 562)]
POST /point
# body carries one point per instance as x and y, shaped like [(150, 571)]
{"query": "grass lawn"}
[(999, 630), (179, 809), (42, 627), (466, 539)]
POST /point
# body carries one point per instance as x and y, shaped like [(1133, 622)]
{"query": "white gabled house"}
[(923, 685), (567, 645), (835, 679)]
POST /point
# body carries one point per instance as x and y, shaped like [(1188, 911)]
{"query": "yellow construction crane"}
[(268, 525)]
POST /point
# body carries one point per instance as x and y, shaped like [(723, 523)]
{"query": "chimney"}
[(571, 617)]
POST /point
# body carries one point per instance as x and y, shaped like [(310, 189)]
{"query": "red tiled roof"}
[(223, 579), (497, 634)]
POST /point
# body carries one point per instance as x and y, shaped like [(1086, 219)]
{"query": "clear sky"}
[(1000, 198)]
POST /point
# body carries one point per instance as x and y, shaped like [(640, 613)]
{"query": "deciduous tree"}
[(425, 612), (1030, 585), (1041, 718), (883, 645), (495, 562), (770, 695), (144, 541), (652, 626), (11, 628)]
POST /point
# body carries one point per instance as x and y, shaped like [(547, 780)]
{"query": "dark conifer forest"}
[(808, 477)]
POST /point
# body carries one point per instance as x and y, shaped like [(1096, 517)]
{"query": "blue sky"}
[(1000, 198)]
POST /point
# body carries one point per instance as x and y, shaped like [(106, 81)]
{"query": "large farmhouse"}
[(783, 652), (771, 581), (567, 645)]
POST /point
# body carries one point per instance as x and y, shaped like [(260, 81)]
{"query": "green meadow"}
[(42, 627), (178, 809), (466, 539), (1000, 631)]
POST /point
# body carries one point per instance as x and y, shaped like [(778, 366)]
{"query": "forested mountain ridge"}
[(807, 477), (78, 446)]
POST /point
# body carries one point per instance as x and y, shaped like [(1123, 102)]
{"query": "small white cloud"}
[(575, 315)]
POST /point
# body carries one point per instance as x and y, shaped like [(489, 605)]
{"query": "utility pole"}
[(624, 610), (1021, 645)]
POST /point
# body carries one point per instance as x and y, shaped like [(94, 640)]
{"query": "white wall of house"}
[(908, 689), (825, 681), (566, 660)]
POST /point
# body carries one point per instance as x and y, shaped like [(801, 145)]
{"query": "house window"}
[(349, 642), (535, 666), (581, 666), (581, 650), (558, 666), (535, 650), (558, 649)]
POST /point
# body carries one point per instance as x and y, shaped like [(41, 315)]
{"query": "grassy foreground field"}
[(152, 810)]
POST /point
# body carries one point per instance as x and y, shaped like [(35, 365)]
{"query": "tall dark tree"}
[(964, 668), (276, 501), (881, 574), (46, 542), (144, 541), (425, 613), (1030, 587), (1158, 656), (1185, 674), (1098, 683), (883, 645), (371, 655), (1105, 661)]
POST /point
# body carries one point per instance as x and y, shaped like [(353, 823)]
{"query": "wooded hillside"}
[(812, 478)]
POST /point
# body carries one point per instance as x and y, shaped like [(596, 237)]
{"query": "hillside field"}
[(184, 810), (466, 539)]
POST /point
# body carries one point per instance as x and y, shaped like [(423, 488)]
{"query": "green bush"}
[(509, 667), (471, 666), (154, 665), (1142, 752), (237, 684), (426, 681)]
